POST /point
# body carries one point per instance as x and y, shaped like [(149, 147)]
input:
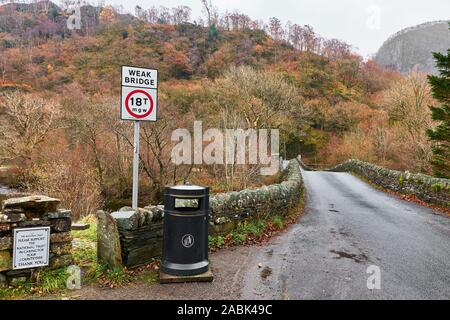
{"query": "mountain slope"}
[(413, 47)]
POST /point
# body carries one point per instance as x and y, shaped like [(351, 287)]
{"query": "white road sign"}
[(31, 247), (139, 94)]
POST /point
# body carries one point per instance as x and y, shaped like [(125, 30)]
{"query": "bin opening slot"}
[(189, 204)]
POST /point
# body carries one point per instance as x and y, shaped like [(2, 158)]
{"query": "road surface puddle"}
[(332, 209), (267, 271), (358, 258)]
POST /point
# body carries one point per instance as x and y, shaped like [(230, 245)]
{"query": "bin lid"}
[(187, 187), (187, 190)]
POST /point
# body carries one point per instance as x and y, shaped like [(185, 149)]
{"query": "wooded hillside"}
[(60, 98)]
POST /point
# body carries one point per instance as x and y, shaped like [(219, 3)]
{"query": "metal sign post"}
[(135, 166), (139, 103)]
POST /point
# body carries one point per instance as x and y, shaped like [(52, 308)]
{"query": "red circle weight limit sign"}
[(141, 104)]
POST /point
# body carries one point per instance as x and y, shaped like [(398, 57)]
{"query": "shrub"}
[(73, 182), (238, 238)]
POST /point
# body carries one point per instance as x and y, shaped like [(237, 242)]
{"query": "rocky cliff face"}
[(412, 47)]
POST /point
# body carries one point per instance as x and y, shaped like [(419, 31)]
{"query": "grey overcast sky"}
[(365, 24)]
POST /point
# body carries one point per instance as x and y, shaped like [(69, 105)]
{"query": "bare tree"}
[(91, 129), (181, 14), (211, 12), (310, 38), (141, 13), (276, 29), (407, 103), (335, 49), (26, 120), (164, 15), (296, 37), (152, 15)]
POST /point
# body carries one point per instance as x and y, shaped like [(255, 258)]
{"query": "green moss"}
[(436, 187)]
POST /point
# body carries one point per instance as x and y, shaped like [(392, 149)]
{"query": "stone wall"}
[(426, 188), (34, 211), (137, 235), (304, 165)]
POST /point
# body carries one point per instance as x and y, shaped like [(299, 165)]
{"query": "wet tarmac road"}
[(347, 227)]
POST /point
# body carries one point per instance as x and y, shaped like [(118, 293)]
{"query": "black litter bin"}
[(185, 244)]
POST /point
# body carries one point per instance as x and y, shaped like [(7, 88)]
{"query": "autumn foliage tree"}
[(407, 103)]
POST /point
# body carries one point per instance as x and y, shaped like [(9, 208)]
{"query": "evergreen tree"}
[(441, 134)]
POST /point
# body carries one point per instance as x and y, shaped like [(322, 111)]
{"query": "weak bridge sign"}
[(139, 94)]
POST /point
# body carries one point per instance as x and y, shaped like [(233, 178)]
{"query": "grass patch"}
[(85, 256), (277, 221), (85, 245), (15, 292), (238, 238), (52, 280), (216, 241), (94, 271), (253, 228), (100, 273), (116, 277), (43, 282), (247, 231), (89, 234), (150, 277)]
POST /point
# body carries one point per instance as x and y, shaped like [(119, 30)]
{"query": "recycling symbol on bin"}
[(187, 240)]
